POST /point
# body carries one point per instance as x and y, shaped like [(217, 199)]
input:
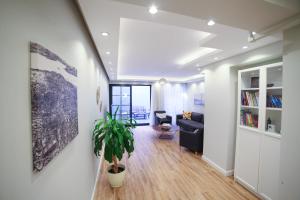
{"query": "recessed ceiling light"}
[(108, 52), (105, 34), (211, 22), (199, 69), (197, 65), (153, 10), (216, 58), (245, 47), (253, 33)]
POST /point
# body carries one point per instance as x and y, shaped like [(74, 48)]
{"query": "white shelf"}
[(274, 88), (275, 109), (250, 128), (249, 107), (250, 89), (273, 134)]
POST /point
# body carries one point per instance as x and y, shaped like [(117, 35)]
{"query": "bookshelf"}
[(260, 98), (259, 107), (249, 98), (273, 99)]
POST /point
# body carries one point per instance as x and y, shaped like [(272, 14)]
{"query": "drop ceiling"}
[(176, 41)]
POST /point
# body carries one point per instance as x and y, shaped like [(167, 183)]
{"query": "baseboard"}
[(97, 176), (217, 167), (245, 184), (250, 188)]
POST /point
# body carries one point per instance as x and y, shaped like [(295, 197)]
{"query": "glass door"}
[(141, 96), (121, 97), (133, 102)]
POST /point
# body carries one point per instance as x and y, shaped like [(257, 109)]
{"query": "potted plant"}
[(117, 136)]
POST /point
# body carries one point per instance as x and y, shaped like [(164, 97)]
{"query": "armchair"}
[(159, 121), (191, 139)]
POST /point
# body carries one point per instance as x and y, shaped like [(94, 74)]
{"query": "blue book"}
[(278, 102), (273, 101)]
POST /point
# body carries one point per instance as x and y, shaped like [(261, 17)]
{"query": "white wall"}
[(290, 143), (220, 105), (218, 115), (193, 89), (56, 25)]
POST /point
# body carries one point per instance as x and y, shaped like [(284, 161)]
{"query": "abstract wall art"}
[(199, 99), (53, 104)]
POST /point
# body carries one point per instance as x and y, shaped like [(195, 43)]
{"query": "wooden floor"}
[(159, 170)]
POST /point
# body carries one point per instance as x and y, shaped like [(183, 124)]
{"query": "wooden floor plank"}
[(158, 169)]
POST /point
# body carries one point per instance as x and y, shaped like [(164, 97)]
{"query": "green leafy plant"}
[(117, 135)]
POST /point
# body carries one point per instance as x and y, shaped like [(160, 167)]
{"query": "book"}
[(249, 98), (274, 101), (247, 118)]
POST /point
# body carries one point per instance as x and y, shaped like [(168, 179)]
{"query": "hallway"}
[(159, 170)]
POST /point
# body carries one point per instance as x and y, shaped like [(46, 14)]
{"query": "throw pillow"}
[(161, 115), (187, 115)]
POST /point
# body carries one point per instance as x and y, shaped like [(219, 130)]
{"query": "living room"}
[(163, 99)]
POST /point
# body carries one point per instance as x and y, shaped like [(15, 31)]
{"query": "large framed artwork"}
[(54, 105)]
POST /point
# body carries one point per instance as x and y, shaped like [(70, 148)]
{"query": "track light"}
[(251, 37)]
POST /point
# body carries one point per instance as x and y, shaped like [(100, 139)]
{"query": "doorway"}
[(134, 102)]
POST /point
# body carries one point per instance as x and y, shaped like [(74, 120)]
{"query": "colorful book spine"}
[(248, 119), (249, 98), (274, 101)]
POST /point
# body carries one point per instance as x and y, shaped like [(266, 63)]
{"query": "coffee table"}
[(165, 131)]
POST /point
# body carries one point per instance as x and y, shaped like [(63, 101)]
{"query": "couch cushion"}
[(161, 115), (190, 125), (198, 117), (187, 115)]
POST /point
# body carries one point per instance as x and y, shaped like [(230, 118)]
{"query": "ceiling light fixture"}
[(199, 69), (108, 52), (198, 65), (251, 37), (216, 58), (211, 22), (162, 81), (245, 47), (153, 10), (105, 34)]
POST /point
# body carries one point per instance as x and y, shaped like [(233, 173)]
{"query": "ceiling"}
[(158, 49), (176, 41), (252, 15)]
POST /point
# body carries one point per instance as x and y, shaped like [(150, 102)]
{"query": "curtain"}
[(170, 97), (156, 101), (174, 99)]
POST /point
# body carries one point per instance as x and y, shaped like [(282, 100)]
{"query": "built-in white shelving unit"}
[(259, 129)]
